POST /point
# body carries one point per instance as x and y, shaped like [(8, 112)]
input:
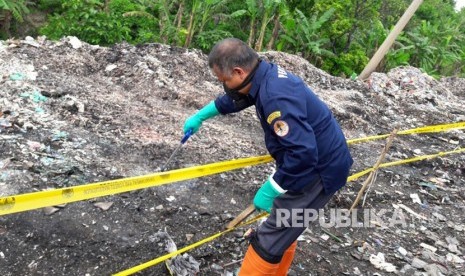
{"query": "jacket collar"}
[(257, 79)]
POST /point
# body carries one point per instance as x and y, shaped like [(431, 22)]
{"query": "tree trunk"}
[(251, 38), (178, 19), (275, 33), (261, 37), (6, 23), (190, 30), (349, 38), (165, 22), (178, 22), (106, 6), (204, 20)]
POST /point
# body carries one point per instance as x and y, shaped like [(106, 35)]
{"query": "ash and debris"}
[(73, 113)]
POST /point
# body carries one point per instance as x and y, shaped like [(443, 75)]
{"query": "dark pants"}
[(271, 240)]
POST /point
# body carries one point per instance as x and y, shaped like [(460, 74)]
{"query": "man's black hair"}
[(230, 53)]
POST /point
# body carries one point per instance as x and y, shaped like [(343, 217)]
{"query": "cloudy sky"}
[(459, 4)]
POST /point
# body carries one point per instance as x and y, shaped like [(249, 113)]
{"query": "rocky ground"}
[(73, 113)]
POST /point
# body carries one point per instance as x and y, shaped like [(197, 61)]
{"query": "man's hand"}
[(195, 121), (265, 196)]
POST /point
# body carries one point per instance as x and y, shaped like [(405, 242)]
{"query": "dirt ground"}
[(73, 113)]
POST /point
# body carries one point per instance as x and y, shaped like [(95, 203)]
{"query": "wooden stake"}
[(370, 178), (243, 215)]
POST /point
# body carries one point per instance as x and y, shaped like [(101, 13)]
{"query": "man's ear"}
[(240, 72)]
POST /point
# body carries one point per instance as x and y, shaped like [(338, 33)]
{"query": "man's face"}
[(232, 81)]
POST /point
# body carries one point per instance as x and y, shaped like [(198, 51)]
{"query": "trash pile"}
[(73, 113)]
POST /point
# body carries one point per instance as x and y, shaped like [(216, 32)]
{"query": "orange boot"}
[(286, 261), (254, 265)]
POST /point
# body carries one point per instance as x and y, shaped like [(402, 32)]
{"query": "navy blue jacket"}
[(301, 133)]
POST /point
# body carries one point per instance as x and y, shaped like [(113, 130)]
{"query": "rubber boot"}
[(254, 265), (286, 261)]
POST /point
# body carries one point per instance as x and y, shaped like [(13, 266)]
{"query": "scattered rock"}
[(418, 263), (48, 211), (103, 205), (402, 251)]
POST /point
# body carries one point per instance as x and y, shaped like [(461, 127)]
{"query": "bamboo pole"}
[(379, 55)]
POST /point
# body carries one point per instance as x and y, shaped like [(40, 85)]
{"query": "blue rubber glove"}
[(265, 196), (195, 121)]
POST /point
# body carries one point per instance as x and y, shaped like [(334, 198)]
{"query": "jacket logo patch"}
[(281, 128), (273, 116)]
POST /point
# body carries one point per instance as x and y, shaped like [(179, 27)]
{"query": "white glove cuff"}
[(276, 185)]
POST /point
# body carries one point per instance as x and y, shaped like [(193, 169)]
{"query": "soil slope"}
[(73, 113)]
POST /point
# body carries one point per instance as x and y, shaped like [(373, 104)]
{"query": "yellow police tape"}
[(404, 161), (31, 201), (426, 129), (215, 236)]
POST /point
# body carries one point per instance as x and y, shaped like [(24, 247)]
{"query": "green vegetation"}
[(338, 36), (12, 10)]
